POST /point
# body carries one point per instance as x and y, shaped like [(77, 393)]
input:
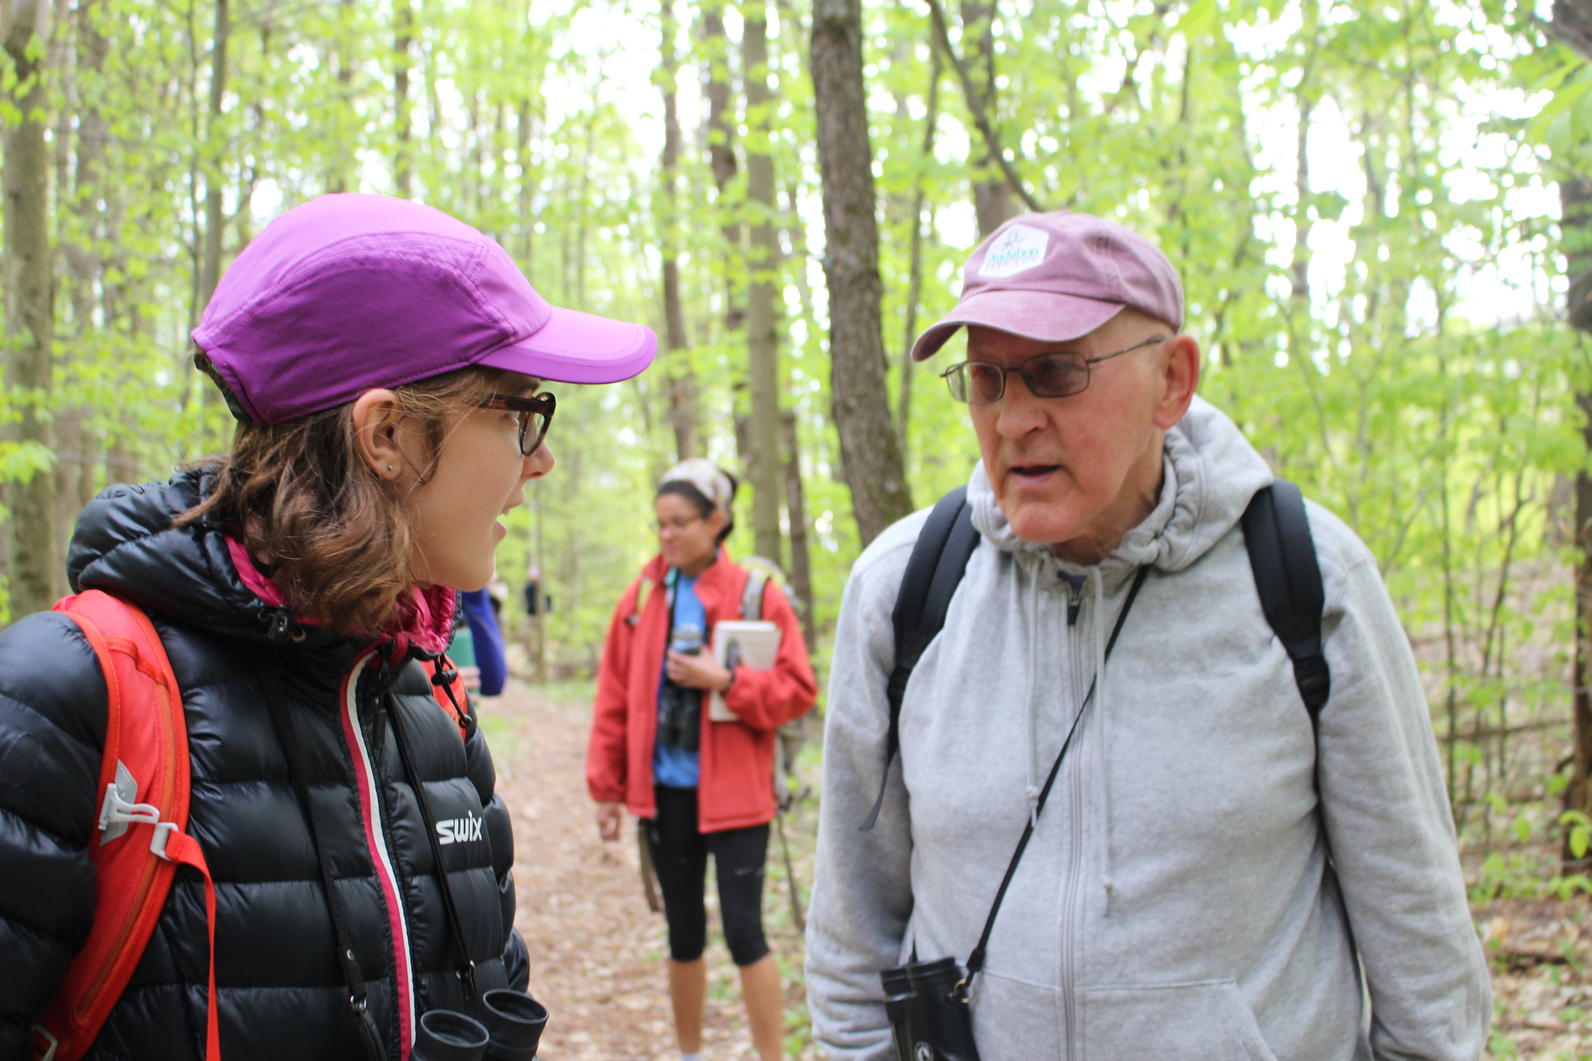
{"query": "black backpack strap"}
[(1282, 556), (933, 572)]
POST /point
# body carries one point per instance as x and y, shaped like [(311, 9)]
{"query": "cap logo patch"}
[(1019, 247)]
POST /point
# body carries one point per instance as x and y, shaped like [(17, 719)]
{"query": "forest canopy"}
[(1380, 211)]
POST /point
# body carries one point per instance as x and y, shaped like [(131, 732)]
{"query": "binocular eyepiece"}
[(509, 1029), (929, 1018)]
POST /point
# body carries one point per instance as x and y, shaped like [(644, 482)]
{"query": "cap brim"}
[(1042, 315), (576, 347)]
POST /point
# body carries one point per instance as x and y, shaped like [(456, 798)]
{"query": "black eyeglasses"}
[(1057, 375), (536, 409)]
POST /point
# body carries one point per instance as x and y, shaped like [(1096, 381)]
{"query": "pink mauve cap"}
[(1057, 276), (347, 293)]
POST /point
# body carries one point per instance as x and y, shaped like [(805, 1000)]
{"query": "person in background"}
[(386, 364), (1211, 877), (484, 669), (536, 602), (497, 594), (698, 786)]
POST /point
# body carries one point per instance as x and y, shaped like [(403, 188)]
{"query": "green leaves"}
[(21, 461), (1377, 293), (1579, 832), (1564, 123)]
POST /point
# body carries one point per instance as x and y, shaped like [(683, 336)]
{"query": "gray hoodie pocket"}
[(1205, 1020)]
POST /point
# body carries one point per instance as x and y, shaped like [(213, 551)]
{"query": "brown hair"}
[(699, 501), (333, 535)]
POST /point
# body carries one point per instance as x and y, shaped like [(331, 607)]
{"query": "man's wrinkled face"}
[(1077, 472)]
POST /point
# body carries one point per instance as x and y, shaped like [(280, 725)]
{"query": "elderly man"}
[(1213, 871)]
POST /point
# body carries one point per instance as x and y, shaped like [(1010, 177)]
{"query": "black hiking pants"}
[(680, 858)]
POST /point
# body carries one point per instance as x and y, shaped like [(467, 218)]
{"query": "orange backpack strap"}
[(140, 838)]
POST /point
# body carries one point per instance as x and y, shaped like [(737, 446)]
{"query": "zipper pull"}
[(1074, 599)]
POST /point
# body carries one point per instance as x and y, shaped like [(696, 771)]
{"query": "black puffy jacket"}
[(282, 989)]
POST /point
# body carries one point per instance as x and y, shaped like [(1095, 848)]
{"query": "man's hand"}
[(608, 816)]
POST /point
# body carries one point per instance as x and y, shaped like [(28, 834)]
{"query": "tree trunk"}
[(801, 567), (403, 35), (82, 183), (336, 52), (1576, 208), (915, 271), (36, 577), (1578, 795), (1572, 23), (721, 153), (762, 267), (993, 199), (213, 148), (870, 457), (683, 411)]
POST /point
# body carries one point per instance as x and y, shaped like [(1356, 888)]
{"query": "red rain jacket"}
[(737, 758)]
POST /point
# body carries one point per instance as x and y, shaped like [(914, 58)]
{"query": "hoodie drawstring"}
[(1103, 712), (1031, 789)]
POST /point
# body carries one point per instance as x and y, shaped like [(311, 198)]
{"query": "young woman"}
[(699, 786), (386, 363)]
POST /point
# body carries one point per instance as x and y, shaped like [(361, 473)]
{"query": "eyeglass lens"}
[(533, 428), (1047, 376)]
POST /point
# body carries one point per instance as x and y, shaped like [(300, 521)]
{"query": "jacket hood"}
[(1211, 472), (125, 544)]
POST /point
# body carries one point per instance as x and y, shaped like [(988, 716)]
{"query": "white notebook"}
[(759, 647)]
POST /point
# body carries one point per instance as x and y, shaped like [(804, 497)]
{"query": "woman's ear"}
[(376, 420)]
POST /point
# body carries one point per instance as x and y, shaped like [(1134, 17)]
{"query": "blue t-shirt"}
[(677, 767)]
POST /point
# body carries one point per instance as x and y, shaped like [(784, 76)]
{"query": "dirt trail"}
[(597, 952)]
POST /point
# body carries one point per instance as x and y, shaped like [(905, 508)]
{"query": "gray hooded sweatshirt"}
[(1177, 899)]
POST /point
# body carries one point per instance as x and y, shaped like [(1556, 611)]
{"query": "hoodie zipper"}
[(1069, 897)]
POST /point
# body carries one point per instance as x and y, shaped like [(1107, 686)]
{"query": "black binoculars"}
[(510, 1027), (679, 717), (680, 708), (927, 1008)]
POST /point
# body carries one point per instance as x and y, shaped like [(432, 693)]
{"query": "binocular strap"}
[(975, 960)]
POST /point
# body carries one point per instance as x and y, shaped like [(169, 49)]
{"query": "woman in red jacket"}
[(699, 786)]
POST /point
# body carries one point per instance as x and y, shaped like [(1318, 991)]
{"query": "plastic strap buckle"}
[(118, 811), (49, 1051)]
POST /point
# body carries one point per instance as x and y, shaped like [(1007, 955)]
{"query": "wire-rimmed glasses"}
[(1054, 375)]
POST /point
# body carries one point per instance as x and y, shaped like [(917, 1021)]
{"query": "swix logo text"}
[(459, 830)]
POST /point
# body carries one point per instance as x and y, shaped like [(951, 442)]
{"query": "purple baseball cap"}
[(347, 293), (1057, 276)]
